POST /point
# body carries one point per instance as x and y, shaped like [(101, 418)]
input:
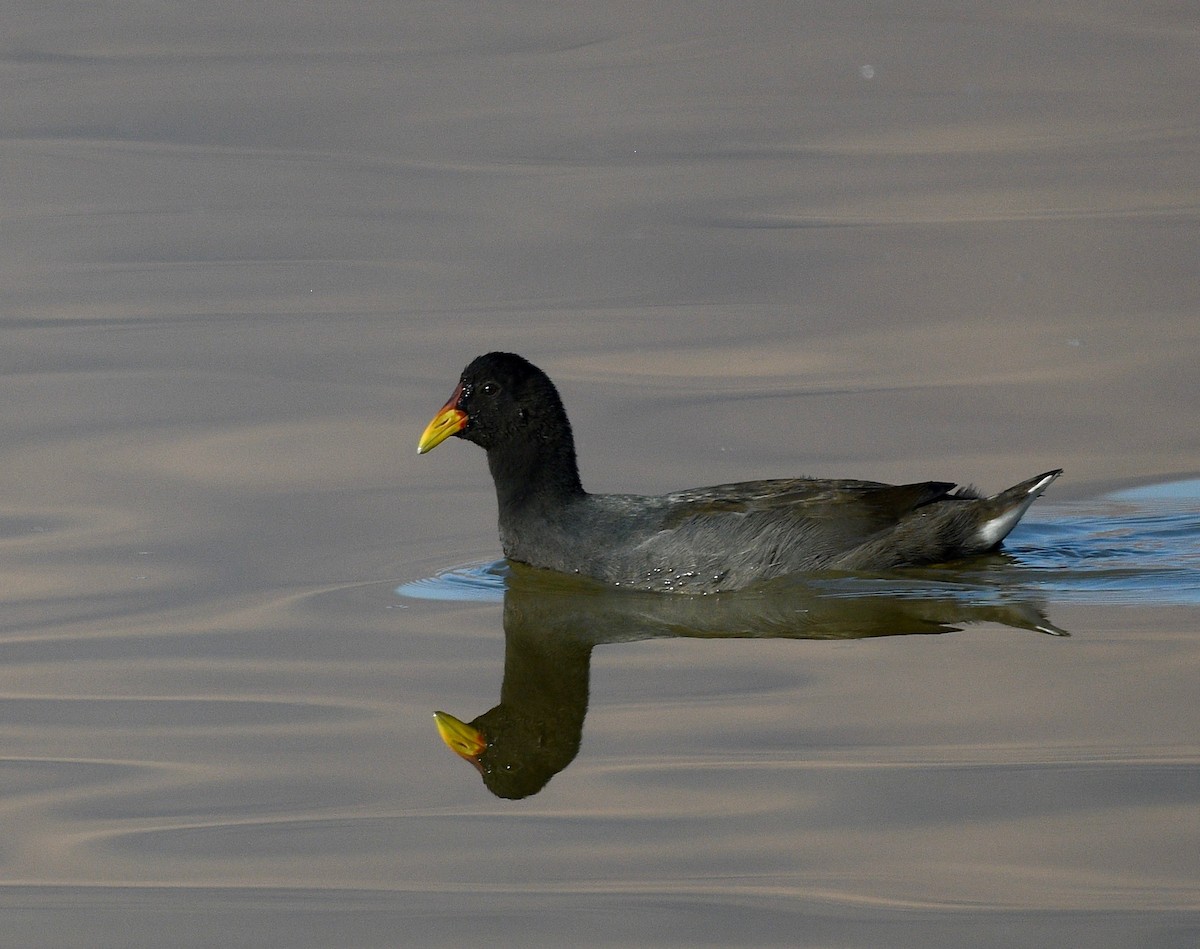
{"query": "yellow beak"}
[(461, 738), (448, 421)]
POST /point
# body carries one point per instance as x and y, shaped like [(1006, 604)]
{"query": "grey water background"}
[(246, 249)]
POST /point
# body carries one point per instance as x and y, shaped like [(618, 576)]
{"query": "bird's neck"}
[(529, 479)]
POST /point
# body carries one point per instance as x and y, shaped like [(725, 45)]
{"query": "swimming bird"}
[(702, 540)]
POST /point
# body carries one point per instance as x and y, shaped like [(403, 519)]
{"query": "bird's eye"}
[(489, 388)]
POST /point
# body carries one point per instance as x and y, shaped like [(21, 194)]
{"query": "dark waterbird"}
[(701, 540)]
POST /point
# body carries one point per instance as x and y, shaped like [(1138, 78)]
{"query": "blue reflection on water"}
[(1133, 546), (1137, 546), (482, 582)]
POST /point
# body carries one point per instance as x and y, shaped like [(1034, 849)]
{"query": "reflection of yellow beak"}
[(461, 738), (447, 422)]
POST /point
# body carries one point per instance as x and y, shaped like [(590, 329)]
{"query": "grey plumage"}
[(724, 537)]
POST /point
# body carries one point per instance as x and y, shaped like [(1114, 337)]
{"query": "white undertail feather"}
[(992, 532)]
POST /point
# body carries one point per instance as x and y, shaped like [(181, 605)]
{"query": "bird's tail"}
[(1009, 506)]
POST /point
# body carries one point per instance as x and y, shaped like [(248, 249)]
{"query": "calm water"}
[(244, 253)]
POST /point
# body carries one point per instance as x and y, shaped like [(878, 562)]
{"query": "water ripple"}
[(1136, 546), (482, 581)]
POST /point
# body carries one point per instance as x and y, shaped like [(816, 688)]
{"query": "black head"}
[(509, 401), (510, 408)]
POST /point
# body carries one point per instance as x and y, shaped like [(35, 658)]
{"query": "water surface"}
[(245, 253)]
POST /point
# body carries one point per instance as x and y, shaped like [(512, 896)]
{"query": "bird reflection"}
[(552, 623)]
